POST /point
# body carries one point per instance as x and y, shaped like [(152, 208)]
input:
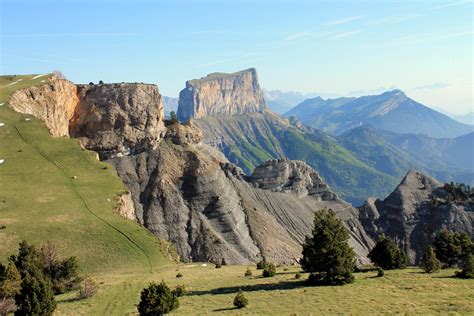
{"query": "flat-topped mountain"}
[(221, 94), (415, 212), (392, 111)]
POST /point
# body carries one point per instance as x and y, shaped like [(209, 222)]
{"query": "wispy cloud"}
[(344, 20), (303, 36), (450, 4), (433, 86), (393, 19), (345, 34)]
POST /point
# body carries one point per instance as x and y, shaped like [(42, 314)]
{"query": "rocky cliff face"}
[(221, 94), (283, 175), (210, 211), (118, 119), (53, 103), (415, 212)]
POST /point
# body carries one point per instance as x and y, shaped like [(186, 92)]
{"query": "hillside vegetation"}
[(52, 189), (250, 139)]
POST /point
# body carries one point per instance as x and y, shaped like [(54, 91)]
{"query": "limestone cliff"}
[(221, 94), (118, 119), (415, 212), (53, 103)]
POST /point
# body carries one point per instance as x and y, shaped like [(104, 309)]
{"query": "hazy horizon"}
[(344, 48)]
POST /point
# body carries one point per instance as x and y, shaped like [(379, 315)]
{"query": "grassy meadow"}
[(409, 291)]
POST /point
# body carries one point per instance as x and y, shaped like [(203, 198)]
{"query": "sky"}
[(335, 48)]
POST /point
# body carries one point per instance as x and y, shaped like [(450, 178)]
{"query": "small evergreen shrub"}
[(467, 266), (248, 272), (240, 301), (269, 271), (179, 275), (180, 290), (218, 265), (380, 272), (157, 299), (298, 275), (261, 264), (429, 262)]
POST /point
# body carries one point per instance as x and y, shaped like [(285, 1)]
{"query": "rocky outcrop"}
[(221, 94), (283, 175), (125, 206), (118, 119), (53, 103), (210, 211), (415, 212)]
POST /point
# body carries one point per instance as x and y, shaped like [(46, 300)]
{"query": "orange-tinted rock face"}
[(221, 94), (53, 103), (118, 119)]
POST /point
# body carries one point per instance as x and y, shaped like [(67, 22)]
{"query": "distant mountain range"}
[(466, 118), (391, 111)]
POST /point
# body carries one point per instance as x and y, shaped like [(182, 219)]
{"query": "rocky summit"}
[(416, 211), (221, 94)]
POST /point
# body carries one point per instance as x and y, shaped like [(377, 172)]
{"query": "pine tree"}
[(157, 299), (36, 294), (240, 301), (429, 262), (326, 253), (387, 255), (451, 247)]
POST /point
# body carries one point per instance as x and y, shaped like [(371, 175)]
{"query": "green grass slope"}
[(52, 189), (212, 291), (250, 139)]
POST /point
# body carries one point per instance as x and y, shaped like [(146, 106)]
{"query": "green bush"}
[(261, 264), (298, 275), (467, 266), (429, 262), (179, 275), (387, 255), (248, 272), (269, 271), (326, 252), (157, 299), (218, 265), (240, 301), (380, 272), (10, 281), (180, 290)]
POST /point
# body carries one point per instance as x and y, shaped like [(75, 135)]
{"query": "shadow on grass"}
[(284, 285), (224, 309)]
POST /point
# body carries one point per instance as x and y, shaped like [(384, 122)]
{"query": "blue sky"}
[(338, 47)]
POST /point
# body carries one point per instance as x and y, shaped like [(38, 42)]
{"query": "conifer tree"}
[(429, 262), (326, 253), (387, 255)]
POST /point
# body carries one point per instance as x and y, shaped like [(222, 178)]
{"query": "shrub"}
[(173, 118), (101, 82), (298, 275), (387, 255), (157, 299), (326, 253), (240, 301), (223, 262), (467, 266), (451, 247), (248, 272), (269, 271), (179, 291), (7, 306), (380, 272), (10, 281), (429, 262), (87, 288), (218, 265), (179, 275), (261, 264)]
